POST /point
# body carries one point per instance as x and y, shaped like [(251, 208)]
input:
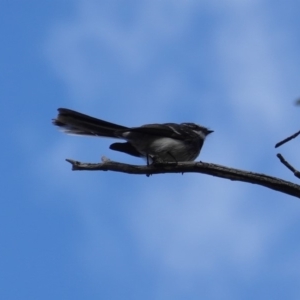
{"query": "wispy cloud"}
[(174, 223)]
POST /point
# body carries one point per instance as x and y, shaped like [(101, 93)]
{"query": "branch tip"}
[(287, 139)]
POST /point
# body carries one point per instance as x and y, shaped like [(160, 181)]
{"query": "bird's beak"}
[(209, 132)]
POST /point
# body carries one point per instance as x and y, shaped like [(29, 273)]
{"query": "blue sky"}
[(230, 65)]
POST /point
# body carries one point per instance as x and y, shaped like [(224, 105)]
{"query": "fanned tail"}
[(73, 122)]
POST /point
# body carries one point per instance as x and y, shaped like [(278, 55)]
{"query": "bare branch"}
[(287, 139), (194, 167), (289, 166)]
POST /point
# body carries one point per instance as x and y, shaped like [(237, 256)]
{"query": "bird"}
[(167, 142)]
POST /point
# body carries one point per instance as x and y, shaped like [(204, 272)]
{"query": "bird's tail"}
[(73, 122)]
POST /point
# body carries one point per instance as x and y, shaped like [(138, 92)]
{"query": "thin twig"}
[(288, 165), (287, 139)]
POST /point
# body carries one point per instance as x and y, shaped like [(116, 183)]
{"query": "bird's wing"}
[(170, 130)]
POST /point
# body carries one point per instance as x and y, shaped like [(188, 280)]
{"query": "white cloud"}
[(177, 228), (176, 225), (250, 67), (101, 41)]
